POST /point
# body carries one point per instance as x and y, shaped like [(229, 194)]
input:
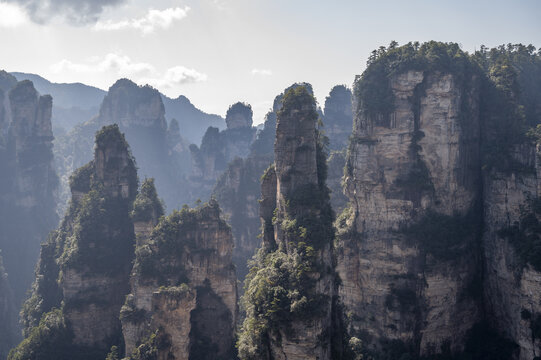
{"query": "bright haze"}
[(217, 52)]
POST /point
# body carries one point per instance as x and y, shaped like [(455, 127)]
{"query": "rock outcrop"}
[(437, 251), (218, 148), (338, 118), (238, 188), (183, 289), (139, 112), (290, 290), (83, 272), (27, 182), (238, 192), (408, 259)]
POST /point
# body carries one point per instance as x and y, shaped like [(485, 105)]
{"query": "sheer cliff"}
[(84, 267), (290, 291), (238, 188), (183, 300), (27, 181), (439, 182)]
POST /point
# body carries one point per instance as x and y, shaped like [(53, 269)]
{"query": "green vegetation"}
[(48, 341), (110, 135), (510, 102), (373, 87), (95, 238), (147, 206), (81, 179), (278, 290), (280, 287), (525, 235), (169, 240), (509, 77), (148, 350)]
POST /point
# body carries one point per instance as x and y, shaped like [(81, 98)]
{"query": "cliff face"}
[(437, 252), (512, 288), (183, 289), (238, 193), (412, 175), (338, 118), (83, 272), (290, 288), (27, 179), (8, 322)]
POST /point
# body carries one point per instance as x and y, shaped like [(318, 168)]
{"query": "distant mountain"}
[(66, 95), (76, 103), (72, 103), (193, 122)]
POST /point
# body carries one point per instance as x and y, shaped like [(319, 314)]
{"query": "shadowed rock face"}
[(27, 184), (183, 287), (239, 115), (338, 118), (8, 321), (218, 148)]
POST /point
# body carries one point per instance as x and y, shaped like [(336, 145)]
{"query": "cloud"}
[(77, 12), (148, 23), (117, 65), (11, 16), (177, 75), (263, 72)]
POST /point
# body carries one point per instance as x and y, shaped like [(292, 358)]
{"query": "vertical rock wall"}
[(414, 165), (183, 287)]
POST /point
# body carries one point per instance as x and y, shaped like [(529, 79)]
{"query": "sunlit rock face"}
[(403, 168)]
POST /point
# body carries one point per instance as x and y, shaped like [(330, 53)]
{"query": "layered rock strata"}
[(411, 179), (183, 288)]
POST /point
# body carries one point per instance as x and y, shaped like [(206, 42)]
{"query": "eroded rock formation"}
[(27, 192), (83, 273), (218, 148), (290, 290), (443, 187), (183, 289), (338, 118), (139, 112), (411, 177)]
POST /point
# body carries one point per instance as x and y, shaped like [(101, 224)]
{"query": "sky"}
[(218, 52)]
